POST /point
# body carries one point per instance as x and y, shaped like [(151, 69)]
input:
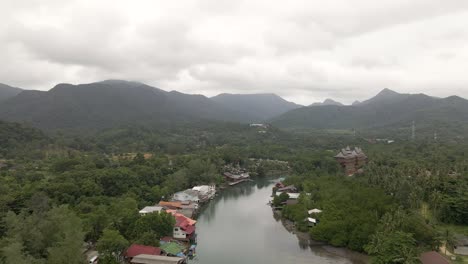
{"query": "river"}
[(238, 227)]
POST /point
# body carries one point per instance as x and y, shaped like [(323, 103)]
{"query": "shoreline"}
[(306, 241)]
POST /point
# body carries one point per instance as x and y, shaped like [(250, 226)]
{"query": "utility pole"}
[(413, 132)]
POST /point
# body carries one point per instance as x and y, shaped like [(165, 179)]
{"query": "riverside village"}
[(183, 206)]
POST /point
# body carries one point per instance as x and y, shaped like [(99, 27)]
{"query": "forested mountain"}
[(258, 107), (7, 92), (386, 109), (108, 104), (327, 102), (113, 103), (17, 140)]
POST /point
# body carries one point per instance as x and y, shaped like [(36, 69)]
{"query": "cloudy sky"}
[(305, 51)]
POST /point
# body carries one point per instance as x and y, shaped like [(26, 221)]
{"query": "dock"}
[(239, 181)]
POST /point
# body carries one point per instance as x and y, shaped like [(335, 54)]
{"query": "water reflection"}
[(238, 227)]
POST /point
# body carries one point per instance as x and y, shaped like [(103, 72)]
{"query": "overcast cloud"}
[(305, 51)]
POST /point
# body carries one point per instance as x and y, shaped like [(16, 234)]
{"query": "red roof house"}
[(136, 249), (184, 227)]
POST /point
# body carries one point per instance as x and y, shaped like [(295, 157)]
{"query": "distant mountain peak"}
[(356, 102), (385, 96), (327, 101), (387, 92)]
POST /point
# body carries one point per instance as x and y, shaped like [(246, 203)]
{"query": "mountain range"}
[(386, 109), (114, 102)]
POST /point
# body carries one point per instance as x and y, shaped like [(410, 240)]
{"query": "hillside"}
[(19, 140), (7, 92), (108, 104), (386, 109), (258, 107)]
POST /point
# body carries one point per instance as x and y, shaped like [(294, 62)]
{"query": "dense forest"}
[(58, 191)]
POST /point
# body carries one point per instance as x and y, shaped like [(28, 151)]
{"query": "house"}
[(461, 245), (151, 209), (186, 208), (314, 211), (187, 195), (205, 192), (351, 160), (204, 189), (291, 195), (170, 205), (288, 189), (136, 249), (432, 257), (184, 227), (152, 259)]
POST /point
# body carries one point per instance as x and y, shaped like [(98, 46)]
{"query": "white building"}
[(187, 195), (314, 211), (151, 209)]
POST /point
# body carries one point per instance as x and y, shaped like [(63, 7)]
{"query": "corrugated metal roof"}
[(150, 259), (136, 249)]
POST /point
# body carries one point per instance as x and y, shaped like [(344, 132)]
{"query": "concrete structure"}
[(461, 245)]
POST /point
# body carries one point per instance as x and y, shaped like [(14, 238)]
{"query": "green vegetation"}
[(408, 195), (415, 191)]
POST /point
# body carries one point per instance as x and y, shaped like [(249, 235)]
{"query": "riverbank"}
[(306, 241), (238, 227)]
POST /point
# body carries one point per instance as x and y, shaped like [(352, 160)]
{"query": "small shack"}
[(312, 221)]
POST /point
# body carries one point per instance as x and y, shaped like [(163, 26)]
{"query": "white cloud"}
[(304, 50)]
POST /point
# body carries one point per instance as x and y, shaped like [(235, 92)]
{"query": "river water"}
[(238, 227)]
